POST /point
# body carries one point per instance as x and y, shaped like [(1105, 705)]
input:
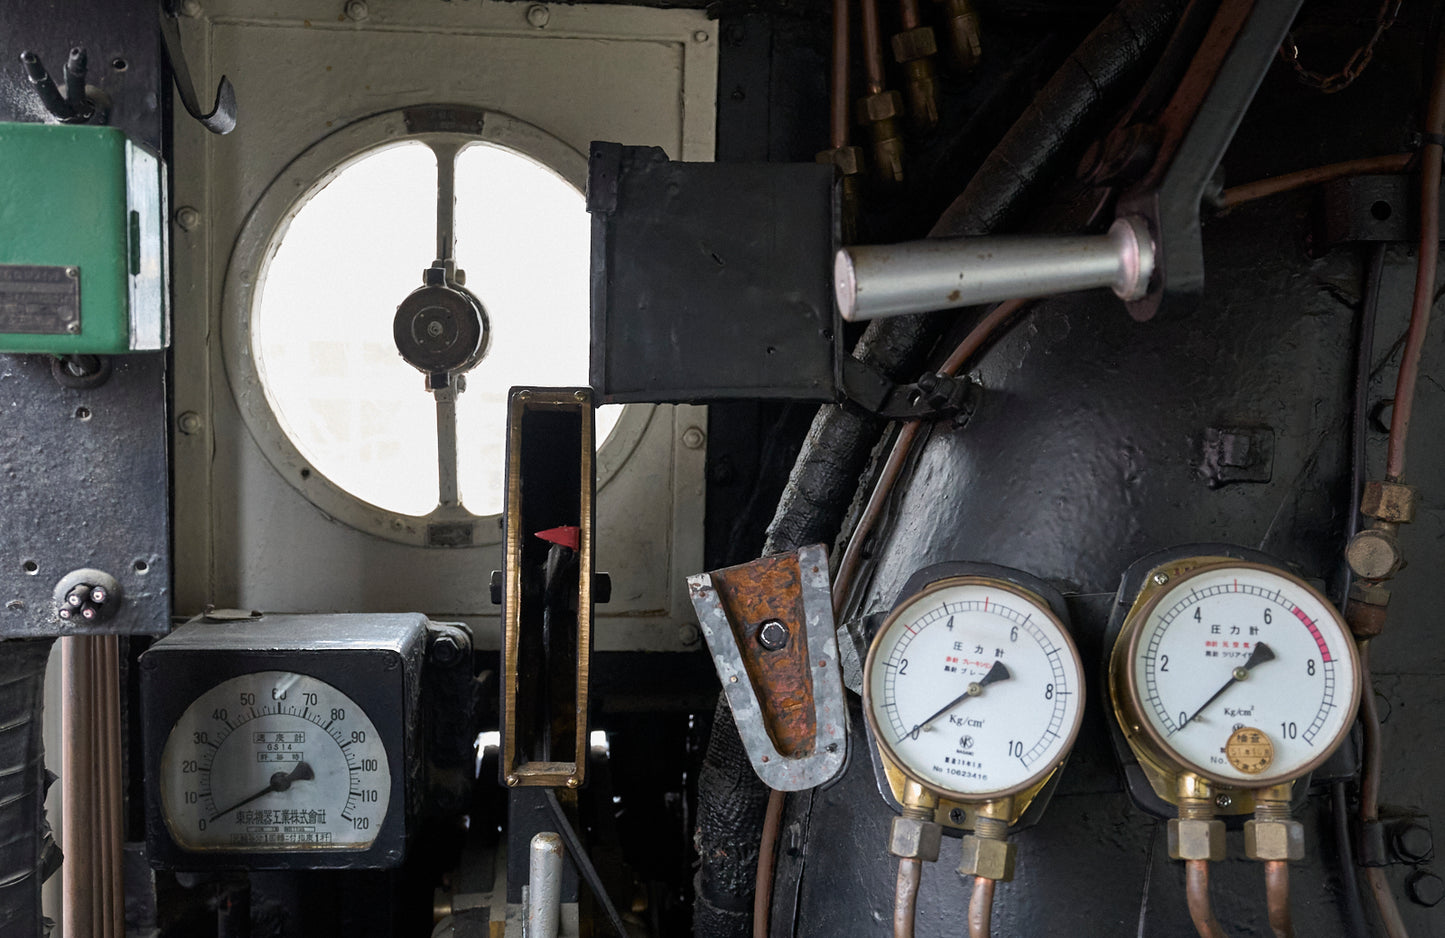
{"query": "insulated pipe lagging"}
[(24, 835), (941, 273)]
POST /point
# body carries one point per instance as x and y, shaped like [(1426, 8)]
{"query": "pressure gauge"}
[(974, 689), (280, 742), (1235, 671)]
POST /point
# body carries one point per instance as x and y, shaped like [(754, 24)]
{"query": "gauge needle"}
[(996, 673), (279, 782), (1259, 656)]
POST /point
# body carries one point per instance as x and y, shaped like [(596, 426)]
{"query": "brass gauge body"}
[(1233, 671), (973, 690)]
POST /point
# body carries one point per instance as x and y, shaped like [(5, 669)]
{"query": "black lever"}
[(221, 119)]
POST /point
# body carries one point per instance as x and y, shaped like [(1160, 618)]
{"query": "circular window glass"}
[(354, 247)]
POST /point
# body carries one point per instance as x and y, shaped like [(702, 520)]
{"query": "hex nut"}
[(1388, 501), (914, 44), (848, 160), (1373, 554), (1425, 888), (1193, 839), (1274, 840), (879, 107), (915, 839), (991, 859)]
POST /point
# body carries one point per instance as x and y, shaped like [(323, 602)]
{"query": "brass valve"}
[(965, 35)]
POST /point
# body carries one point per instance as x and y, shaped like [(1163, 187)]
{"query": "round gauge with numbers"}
[(274, 761), (1236, 671), (974, 689)]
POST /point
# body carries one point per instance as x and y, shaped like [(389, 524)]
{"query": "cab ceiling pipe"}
[(940, 273)]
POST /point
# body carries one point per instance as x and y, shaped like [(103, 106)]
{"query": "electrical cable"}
[(1276, 888), (1289, 182), (1370, 795), (584, 863), (1429, 254), (767, 860), (1196, 889), (1349, 874), (980, 908)]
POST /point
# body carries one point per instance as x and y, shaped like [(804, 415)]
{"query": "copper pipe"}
[(77, 791), (872, 46), (838, 118), (980, 908), (112, 857), (1429, 254), (853, 552), (1249, 191), (908, 15), (1385, 899), (1276, 888), (767, 859), (1196, 888), (1370, 724), (905, 896)]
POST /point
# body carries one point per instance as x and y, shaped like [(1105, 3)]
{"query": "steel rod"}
[(921, 276), (544, 886)]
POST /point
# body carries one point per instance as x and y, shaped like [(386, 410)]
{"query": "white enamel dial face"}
[(1244, 674), (974, 688), (274, 761)]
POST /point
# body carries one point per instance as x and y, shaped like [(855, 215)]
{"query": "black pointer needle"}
[(996, 673), (279, 782), (1259, 656)]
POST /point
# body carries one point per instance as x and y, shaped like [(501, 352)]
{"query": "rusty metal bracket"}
[(769, 626)]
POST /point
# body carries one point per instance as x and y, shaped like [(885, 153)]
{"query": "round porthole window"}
[(314, 285)]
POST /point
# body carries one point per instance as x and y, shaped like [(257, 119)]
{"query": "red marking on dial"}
[(1315, 631)]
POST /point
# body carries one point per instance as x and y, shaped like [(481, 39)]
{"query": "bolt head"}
[(538, 15), (914, 838), (700, 36), (773, 635), (1223, 801), (1425, 888), (73, 328), (1160, 579), (189, 422), (573, 782), (187, 218), (357, 10), (693, 438), (689, 634), (1196, 839)]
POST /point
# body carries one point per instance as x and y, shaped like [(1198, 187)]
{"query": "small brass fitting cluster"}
[(880, 113), (1195, 834), (1374, 554), (965, 36), (914, 49), (1273, 834), (987, 851)]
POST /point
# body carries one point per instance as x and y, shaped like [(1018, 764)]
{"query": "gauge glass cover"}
[(1242, 674), (274, 761), (973, 687)]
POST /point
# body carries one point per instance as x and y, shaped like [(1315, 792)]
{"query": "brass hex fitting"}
[(1274, 840), (876, 108), (915, 839), (1196, 839), (922, 91), (1388, 501), (914, 44), (847, 160), (991, 859), (1366, 611), (1374, 553), (965, 35)]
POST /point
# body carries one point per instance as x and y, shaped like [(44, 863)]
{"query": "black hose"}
[(26, 847), (731, 799), (1349, 875)]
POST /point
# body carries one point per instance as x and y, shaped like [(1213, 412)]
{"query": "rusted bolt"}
[(773, 635)]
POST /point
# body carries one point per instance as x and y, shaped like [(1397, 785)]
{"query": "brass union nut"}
[(915, 839), (1373, 553), (991, 859), (848, 160), (914, 44), (879, 107), (1274, 840), (1191, 839), (1388, 501)]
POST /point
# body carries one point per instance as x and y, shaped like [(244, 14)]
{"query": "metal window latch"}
[(769, 626)]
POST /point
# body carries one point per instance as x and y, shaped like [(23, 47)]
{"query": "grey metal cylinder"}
[(873, 282), (544, 886)]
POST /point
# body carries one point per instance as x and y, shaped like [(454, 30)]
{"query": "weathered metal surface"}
[(84, 475), (788, 702), (39, 299)]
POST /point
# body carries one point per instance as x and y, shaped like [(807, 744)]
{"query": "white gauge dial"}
[(274, 761), (974, 688), (1243, 674)]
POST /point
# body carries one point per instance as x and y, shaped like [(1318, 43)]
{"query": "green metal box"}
[(82, 242)]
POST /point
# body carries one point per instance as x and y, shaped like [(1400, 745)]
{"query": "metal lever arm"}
[(941, 273), (220, 119)]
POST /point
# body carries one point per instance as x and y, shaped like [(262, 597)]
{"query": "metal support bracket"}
[(933, 396), (769, 626), (220, 119)]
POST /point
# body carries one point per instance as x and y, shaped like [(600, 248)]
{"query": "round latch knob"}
[(440, 328)]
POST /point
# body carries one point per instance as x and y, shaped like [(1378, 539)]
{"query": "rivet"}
[(357, 10), (1161, 578), (733, 679), (573, 783), (73, 328), (189, 422), (512, 780), (693, 438), (187, 217), (538, 15), (700, 36)]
